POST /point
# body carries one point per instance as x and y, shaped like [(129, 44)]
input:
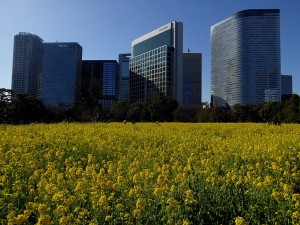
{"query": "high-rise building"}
[(245, 58), (124, 76), (286, 85), (61, 73), (91, 82), (192, 79), (100, 81), (110, 83), (27, 64), (156, 64)]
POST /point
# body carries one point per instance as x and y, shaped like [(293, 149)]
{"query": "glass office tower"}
[(100, 81), (156, 64), (192, 79), (27, 64), (110, 83), (61, 73), (91, 82), (245, 58), (286, 85), (124, 76)]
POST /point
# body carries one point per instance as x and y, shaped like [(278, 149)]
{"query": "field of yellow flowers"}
[(147, 173)]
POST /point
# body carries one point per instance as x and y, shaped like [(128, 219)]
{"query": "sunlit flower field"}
[(148, 173)]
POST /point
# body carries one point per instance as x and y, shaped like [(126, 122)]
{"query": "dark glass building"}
[(91, 82), (245, 58), (100, 81), (124, 76), (27, 64), (156, 64), (286, 85), (192, 79), (61, 73)]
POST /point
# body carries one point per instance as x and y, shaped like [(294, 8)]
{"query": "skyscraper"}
[(110, 83), (156, 64), (286, 85), (245, 58), (100, 81), (27, 64), (124, 76), (61, 73), (192, 79), (91, 82)]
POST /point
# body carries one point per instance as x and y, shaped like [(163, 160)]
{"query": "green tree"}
[(186, 113), (136, 112), (25, 109), (246, 113), (216, 114), (291, 110), (118, 111), (161, 108), (5, 98), (271, 112)]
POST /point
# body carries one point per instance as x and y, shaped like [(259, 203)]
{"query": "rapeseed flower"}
[(111, 173)]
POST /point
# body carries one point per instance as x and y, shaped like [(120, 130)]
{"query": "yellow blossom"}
[(140, 203), (137, 212), (108, 218), (44, 220), (102, 201), (240, 221)]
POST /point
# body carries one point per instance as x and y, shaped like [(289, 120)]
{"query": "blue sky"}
[(106, 28)]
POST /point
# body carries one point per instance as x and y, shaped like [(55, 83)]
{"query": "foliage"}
[(5, 95), (136, 112), (246, 113), (216, 114), (291, 109), (271, 112), (186, 113), (25, 109), (161, 108), (148, 173), (5, 98), (119, 111)]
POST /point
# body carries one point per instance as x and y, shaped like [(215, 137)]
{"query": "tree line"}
[(24, 109), (286, 111)]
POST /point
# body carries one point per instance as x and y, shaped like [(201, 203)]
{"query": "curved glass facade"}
[(245, 58)]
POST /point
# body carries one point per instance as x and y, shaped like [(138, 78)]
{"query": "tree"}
[(271, 112), (216, 114), (5, 95), (25, 109), (5, 98), (136, 112), (245, 113), (118, 111), (186, 113), (161, 108), (291, 110)]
